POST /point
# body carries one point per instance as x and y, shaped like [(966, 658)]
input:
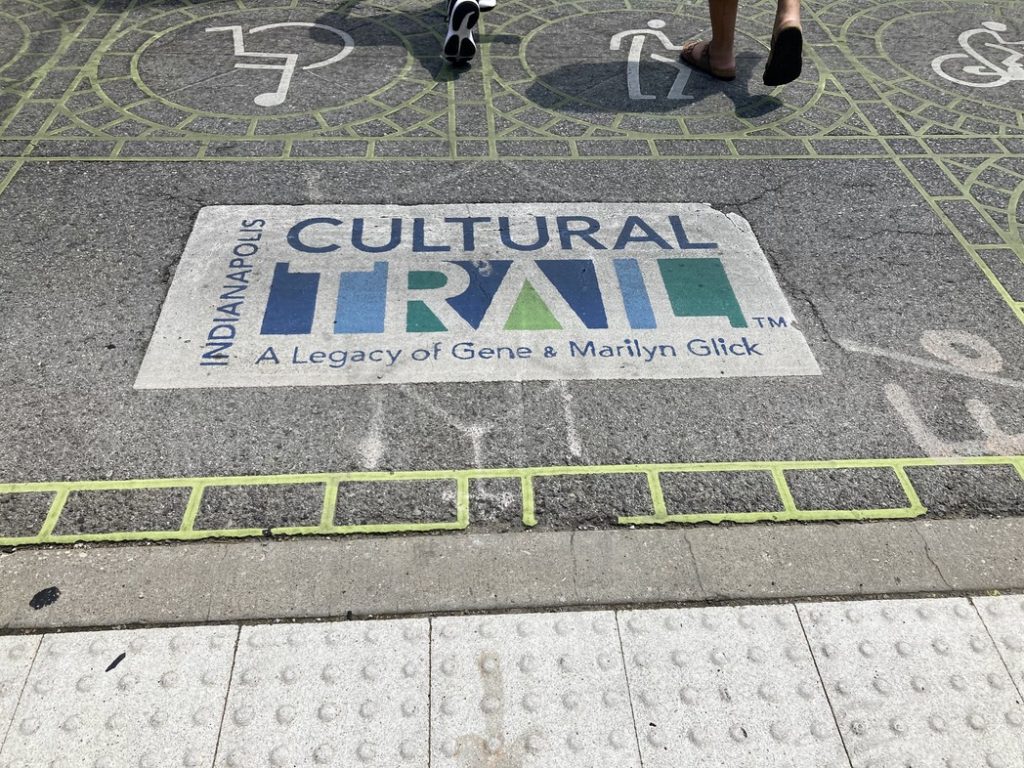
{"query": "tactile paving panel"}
[(534, 691), (916, 683), (1004, 617), (16, 655), (159, 706), (730, 687), (343, 695)]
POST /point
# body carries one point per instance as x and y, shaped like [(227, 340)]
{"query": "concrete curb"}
[(535, 570)]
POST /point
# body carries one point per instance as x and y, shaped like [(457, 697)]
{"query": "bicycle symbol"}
[(287, 62), (985, 72)]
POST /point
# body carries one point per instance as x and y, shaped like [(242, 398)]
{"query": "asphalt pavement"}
[(880, 198)]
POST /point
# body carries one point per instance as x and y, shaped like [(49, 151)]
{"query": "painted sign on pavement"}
[(320, 295)]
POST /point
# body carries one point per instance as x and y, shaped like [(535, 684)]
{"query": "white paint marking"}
[(947, 345), (944, 345), (288, 61), (635, 56), (675, 93), (371, 447), (476, 432), (1004, 66), (572, 437), (932, 365), (996, 442)]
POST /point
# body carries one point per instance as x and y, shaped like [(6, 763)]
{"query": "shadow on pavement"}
[(590, 87), (424, 34)]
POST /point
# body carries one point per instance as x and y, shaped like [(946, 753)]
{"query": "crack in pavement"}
[(928, 556)]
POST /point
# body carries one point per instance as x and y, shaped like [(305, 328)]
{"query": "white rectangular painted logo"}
[(312, 295)]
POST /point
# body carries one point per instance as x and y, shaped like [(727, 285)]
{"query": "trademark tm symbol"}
[(770, 322)]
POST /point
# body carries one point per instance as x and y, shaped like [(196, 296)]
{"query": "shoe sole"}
[(459, 45), (785, 61)]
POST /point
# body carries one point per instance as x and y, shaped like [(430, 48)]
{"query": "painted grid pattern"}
[(849, 104), (839, 684), (460, 480), (853, 102)]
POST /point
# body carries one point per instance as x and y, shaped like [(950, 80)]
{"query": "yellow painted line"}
[(782, 487), (122, 536), (955, 230), (53, 514), (529, 510), (192, 508), (657, 495), (330, 505), (8, 177), (822, 515), (498, 472), (908, 489), (344, 530), (462, 501), (330, 481)]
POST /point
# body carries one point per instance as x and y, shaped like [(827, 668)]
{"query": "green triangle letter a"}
[(530, 313)]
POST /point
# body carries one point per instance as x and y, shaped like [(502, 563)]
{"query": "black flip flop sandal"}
[(785, 60)]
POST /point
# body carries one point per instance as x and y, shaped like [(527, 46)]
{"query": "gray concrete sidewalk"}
[(325, 578), (822, 685)]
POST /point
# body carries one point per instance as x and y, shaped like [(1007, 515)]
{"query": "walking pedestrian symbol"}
[(635, 56), (285, 63)]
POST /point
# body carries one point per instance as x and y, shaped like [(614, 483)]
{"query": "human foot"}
[(697, 54), (785, 60)]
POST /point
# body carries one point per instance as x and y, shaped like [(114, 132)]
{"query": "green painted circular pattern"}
[(30, 34), (997, 186), (14, 40), (555, 75), (895, 45), (175, 79)]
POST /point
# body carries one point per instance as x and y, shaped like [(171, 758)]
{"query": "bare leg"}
[(785, 60), (787, 14), (721, 49)]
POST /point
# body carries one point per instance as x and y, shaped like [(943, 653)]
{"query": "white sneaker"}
[(459, 43)]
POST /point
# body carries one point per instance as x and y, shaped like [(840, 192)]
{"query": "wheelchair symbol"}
[(285, 62)]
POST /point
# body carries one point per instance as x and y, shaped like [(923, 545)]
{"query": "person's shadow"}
[(591, 87), (571, 88), (422, 35)]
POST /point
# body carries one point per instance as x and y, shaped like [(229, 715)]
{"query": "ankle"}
[(721, 54), (787, 19)]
